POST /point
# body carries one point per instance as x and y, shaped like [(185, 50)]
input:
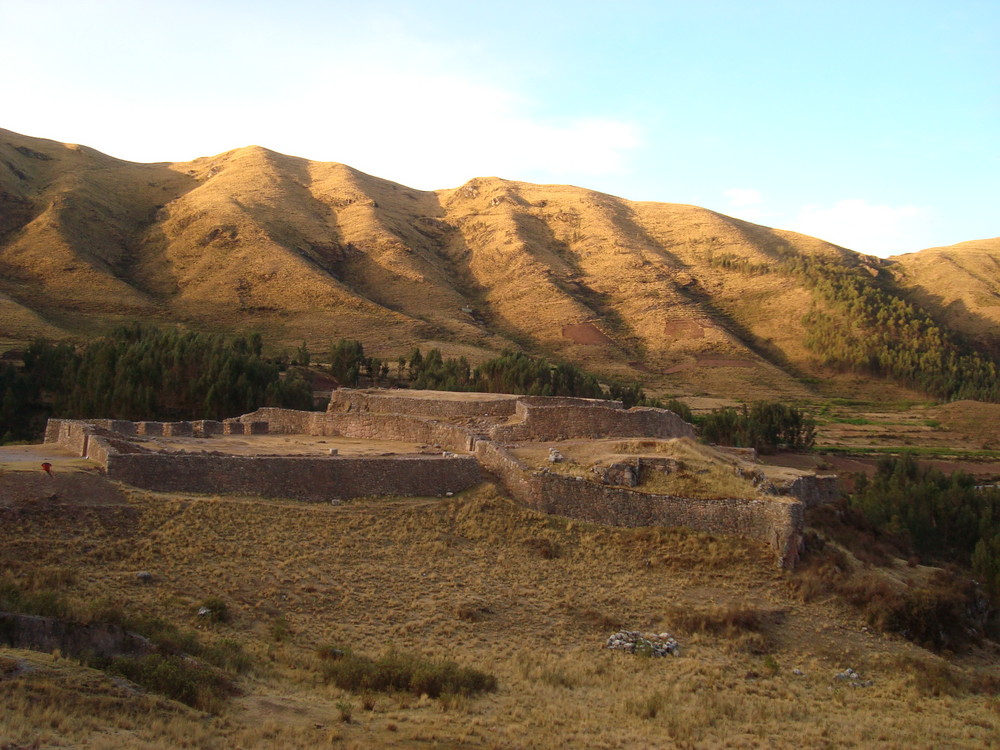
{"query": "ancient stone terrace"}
[(430, 443)]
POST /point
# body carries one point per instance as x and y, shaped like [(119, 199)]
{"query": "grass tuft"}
[(543, 547), (647, 707), (472, 612)]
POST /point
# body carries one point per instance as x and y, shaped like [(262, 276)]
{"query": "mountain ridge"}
[(681, 297)]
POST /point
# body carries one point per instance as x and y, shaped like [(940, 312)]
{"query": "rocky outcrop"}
[(94, 640)]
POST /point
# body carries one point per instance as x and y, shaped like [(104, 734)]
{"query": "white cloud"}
[(434, 130), (856, 224), (742, 197), (745, 203), (377, 95)]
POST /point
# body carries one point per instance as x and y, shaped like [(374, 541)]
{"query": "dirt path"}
[(31, 457), (79, 488)]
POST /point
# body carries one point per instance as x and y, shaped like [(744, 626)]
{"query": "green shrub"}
[(170, 671), (937, 516), (176, 677), (169, 639), (764, 426), (165, 635), (45, 603), (679, 408), (944, 612), (403, 673), (227, 654), (871, 328)]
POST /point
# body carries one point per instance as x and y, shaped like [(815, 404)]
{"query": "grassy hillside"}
[(685, 299), (960, 284), (475, 579)]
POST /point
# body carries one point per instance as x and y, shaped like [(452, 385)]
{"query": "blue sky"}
[(875, 124)]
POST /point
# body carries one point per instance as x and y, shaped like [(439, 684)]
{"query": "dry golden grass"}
[(702, 470), (959, 284), (490, 585), (302, 250)]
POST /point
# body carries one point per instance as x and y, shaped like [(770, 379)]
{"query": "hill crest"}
[(681, 297)]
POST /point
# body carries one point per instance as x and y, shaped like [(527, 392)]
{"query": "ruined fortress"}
[(454, 440)]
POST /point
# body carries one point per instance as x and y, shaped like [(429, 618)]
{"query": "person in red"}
[(47, 468)]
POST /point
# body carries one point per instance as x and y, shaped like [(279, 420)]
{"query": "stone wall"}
[(286, 421), (403, 402), (103, 640), (569, 401), (365, 425), (206, 427), (514, 475), (73, 434), (814, 490), (776, 523), (244, 426), (566, 422), (69, 433), (52, 431), (301, 478), (121, 426), (396, 427), (773, 522), (535, 417), (178, 429), (100, 449), (362, 415), (150, 429)]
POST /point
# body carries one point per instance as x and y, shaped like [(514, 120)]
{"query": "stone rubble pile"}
[(853, 678), (652, 644), (622, 474)]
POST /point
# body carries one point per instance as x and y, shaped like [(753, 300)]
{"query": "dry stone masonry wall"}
[(423, 404), (300, 478), (481, 427), (776, 523), (564, 422)]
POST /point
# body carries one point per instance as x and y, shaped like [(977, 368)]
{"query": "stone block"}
[(234, 427), (178, 429), (206, 427), (150, 429), (122, 426)]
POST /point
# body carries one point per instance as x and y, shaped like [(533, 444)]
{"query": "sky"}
[(874, 125)]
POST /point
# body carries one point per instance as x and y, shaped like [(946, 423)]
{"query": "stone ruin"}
[(470, 434)]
